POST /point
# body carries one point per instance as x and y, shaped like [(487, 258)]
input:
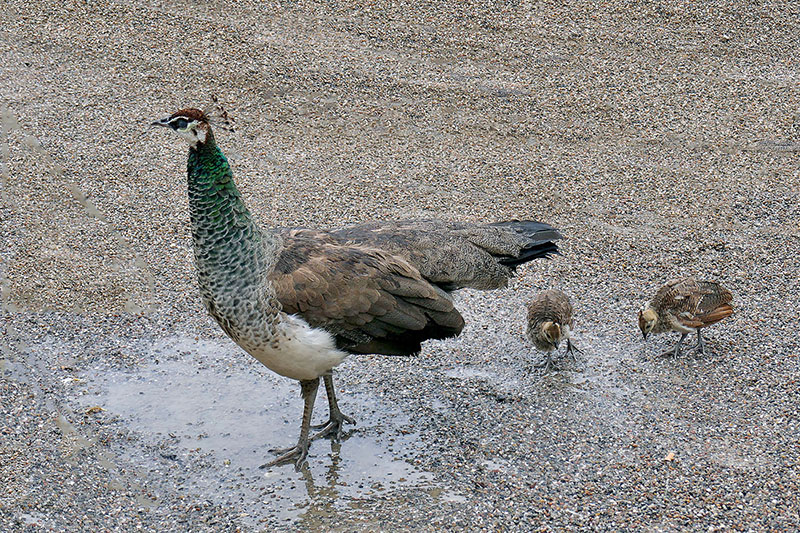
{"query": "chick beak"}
[(556, 343), (644, 335), (162, 122)]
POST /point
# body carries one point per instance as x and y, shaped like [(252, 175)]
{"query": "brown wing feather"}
[(689, 321), (371, 301), (723, 311), (693, 303), (451, 255), (551, 305)]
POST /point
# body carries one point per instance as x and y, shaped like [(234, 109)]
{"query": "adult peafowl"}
[(300, 300)]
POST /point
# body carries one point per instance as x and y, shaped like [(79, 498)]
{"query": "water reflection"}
[(207, 398)]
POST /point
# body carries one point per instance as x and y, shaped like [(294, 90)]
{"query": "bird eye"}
[(179, 124)]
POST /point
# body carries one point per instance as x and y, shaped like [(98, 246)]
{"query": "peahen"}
[(300, 300)]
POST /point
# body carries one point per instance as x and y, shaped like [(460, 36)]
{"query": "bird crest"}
[(217, 116), (194, 125)]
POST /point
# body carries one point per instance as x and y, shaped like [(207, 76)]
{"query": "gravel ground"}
[(662, 139)]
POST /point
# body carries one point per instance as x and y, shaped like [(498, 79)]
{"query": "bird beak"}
[(163, 122), (556, 344), (644, 334)]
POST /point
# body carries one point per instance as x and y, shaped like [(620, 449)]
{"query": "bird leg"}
[(677, 351), (572, 350), (548, 364), (701, 346), (298, 453), (334, 424)]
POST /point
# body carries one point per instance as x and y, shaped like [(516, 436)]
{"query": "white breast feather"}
[(299, 351)]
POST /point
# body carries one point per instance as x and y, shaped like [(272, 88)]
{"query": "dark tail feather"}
[(407, 343), (541, 237), (543, 249)]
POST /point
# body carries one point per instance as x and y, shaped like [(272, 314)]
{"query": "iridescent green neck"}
[(230, 249), (214, 201)]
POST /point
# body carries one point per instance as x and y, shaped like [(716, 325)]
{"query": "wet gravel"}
[(662, 140)]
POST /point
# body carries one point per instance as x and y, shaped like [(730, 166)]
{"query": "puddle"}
[(209, 398), (606, 401), (36, 519)]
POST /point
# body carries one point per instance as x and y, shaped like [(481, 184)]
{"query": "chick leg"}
[(334, 424), (701, 346), (572, 350), (677, 351), (298, 453), (547, 364)]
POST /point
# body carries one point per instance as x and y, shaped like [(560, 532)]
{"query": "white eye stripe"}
[(179, 123)]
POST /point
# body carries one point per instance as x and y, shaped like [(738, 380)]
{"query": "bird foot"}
[(699, 348), (548, 365), (674, 354), (296, 454), (572, 351), (333, 426)]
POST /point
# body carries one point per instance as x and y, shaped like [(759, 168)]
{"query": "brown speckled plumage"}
[(372, 301), (686, 305), (456, 255), (550, 322), (691, 303)]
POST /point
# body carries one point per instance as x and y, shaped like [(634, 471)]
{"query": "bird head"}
[(191, 124), (551, 332), (647, 320)]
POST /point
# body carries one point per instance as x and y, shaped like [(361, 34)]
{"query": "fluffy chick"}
[(550, 323), (685, 305)]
